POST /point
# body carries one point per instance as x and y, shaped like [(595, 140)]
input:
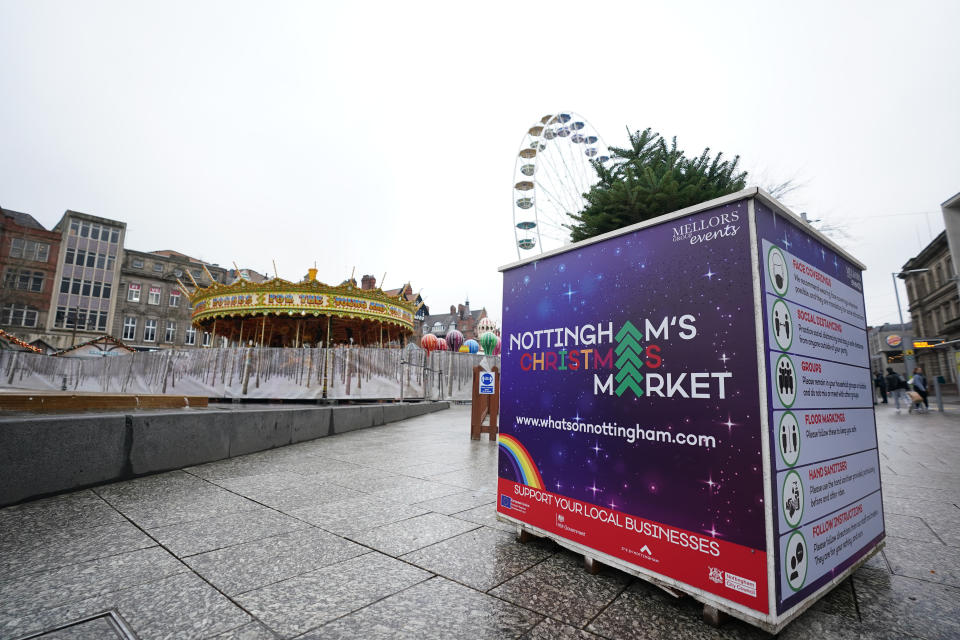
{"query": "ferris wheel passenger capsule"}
[(526, 185), (525, 203), (577, 138), (590, 152), (528, 169), (563, 132), (526, 225), (591, 139), (549, 134), (535, 131), (526, 243), (576, 126), (564, 118)]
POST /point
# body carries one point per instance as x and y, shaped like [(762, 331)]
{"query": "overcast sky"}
[(382, 136)]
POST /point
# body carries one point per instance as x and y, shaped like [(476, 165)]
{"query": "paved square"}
[(390, 532)]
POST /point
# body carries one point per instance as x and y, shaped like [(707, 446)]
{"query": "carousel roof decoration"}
[(308, 298)]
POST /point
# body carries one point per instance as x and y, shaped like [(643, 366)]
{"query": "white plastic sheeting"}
[(349, 373)]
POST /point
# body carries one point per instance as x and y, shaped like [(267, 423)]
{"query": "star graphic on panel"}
[(709, 274), (569, 293), (823, 254), (594, 489), (724, 358), (729, 424), (786, 241), (597, 448)]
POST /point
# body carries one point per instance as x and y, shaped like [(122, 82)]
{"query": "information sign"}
[(487, 383), (674, 394)]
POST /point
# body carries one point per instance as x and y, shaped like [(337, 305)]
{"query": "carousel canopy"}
[(308, 298)]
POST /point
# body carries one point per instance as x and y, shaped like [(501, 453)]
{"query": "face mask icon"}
[(779, 270)]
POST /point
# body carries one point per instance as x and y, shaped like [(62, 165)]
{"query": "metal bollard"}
[(936, 387)]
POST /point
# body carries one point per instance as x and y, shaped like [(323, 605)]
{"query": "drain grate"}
[(102, 626)]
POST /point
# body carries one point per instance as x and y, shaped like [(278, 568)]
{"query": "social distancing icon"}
[(782, 325), (795, 561), (788, 438), (777, 268), (785, 381)]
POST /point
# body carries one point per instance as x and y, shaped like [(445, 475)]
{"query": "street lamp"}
[(908, 358)]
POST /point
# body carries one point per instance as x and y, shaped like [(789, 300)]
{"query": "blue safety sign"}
[(487, 380)]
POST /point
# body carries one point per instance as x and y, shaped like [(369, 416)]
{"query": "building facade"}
[(28, 266), (460, 318), (934, 306), (152, 312), (886, 347), (88, 269)]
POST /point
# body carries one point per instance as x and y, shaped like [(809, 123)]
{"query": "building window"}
[(84, 230), (18, 315), (102, 324), (115, 236), (129, 328), (75, 288), (191, 336), (171, 332), (106, 289), (133, 292), (137, 263), (150, 330), (157, 267), (24, 280), (87, 284), (64, 285), (206, 338), (29, 249), (178, 273), (69, 256), (154, 295), (174, 298), (74, 227), (101, 260)]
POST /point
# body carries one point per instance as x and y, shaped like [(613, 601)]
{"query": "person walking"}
[(896, 386), (919, 382), (881, 386)]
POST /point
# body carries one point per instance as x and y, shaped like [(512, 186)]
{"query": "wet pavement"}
[(390, 533)]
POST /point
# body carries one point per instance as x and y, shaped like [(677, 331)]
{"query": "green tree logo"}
[(629, 360)]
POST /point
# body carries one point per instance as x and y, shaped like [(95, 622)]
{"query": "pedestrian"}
[(881, 386), (919, 382), (897, 386)]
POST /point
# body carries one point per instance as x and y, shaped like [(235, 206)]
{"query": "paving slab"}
[(250, 565), (437, 608), (482, 558), (295, 606)]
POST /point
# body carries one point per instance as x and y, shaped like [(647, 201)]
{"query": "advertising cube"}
[(689, 400)]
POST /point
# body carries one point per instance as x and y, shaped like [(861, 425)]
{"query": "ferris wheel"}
[(552, 174)]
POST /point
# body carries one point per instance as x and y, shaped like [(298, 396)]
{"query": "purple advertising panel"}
[(630, 413), (828, 511)]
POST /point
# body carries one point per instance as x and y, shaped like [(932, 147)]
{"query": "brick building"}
[(460, 318), (151, 310), (28, 264)]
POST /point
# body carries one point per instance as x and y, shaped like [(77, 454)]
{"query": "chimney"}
[(368, 282)]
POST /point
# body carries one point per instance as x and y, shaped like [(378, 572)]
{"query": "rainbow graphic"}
[(522, 462)]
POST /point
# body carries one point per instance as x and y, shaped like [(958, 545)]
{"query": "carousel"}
[(309, 313)]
